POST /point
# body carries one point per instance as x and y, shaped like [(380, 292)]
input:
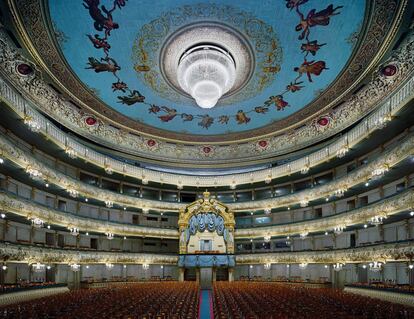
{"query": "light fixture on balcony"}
[(109, 203), (303, 265), (108, 169), (303, 203), (145, 266), (338, 266), (145, 210), (338, 229), (206, 72), (267, 266), (37, 222), (74, 231), (109, 266), (376, 220), (110, 236), (38, 267), (380, 171), (375, 266), (268, 178), (268, 210), (34, 173), (304, 235), (33, 125), (342, 151), (70, 152), (233, 185), (340, 192), (288, 241), (383, 120), (267, 238), (305, 169), (75, 267), (180, 185), (72, 192)]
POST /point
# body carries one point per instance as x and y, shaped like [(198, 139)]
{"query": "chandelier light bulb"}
[(206, 72)]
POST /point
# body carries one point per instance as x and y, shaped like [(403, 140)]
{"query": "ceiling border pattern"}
[(308, 132)]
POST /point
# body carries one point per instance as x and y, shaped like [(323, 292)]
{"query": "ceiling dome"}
[(269, 72), (206, 72)]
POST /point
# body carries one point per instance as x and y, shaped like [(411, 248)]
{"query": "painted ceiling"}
[(300, 48)]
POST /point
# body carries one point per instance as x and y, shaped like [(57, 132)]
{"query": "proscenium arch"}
[(206, 205)]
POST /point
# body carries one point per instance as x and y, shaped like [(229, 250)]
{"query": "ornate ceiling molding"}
[(387, 207), (384, 253), (389, 108), (33, 254), (388, 159), (363, 102)]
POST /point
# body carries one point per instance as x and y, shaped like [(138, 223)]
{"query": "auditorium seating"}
[(142, 300), (239, 300)]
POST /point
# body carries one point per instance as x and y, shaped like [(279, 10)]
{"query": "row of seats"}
[(387, 285), (258, 300), (155, 300)]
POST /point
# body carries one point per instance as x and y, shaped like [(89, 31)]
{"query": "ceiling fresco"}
[(297, 50)]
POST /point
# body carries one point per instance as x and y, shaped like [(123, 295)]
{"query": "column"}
[(198, 275), (181, 271), (231, 274), (214, 274)]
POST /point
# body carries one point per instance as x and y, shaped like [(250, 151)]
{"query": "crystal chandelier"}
[(70, 152), (338, 266), (110, 236), (74, 231), (380, 171), (375, 266), (338, 229), (37, 222), (33, 173), (303, 265), (38, 267), (33, 125), (109, 203), (206, 72), (376, 220), (72, 192), (267, 266), (75, 267)]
